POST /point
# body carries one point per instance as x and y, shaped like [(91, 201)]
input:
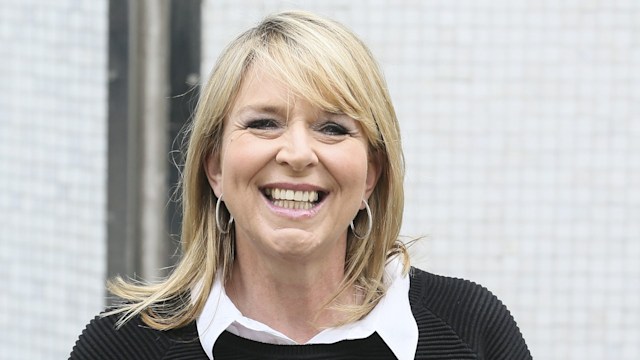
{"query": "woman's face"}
[(292, 175)]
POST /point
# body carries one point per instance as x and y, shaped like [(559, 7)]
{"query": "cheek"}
[(242, 157), (231, 156), (349, 166)]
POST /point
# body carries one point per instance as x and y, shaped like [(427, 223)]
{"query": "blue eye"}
[(331, 128), (262, 124)]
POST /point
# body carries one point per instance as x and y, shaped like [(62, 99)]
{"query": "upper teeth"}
[(287, 194)]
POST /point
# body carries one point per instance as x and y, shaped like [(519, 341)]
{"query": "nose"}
[(297, 149)]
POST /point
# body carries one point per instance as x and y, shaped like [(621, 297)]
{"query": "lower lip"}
[(294, 213)]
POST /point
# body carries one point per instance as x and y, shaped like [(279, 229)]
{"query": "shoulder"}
[(468, 311), (101, 339), (447, 295)]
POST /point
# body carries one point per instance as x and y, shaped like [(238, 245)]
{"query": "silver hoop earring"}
[(369, 224), (222, 231)]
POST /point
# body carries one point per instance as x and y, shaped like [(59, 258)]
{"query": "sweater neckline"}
[(371, 347)]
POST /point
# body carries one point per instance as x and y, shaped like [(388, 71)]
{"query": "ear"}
[(213, 169), (374, 169)]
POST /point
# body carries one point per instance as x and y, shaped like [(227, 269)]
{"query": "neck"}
[(289, 297)]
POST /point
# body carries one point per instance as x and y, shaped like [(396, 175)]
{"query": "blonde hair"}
[(325, 63)]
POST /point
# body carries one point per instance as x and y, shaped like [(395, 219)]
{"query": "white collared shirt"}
[(391, 319)]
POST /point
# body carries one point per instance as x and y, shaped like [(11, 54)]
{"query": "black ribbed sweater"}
[(456, 319)]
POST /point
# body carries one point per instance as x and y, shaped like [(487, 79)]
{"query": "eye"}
[(331, 128), (262, 124)]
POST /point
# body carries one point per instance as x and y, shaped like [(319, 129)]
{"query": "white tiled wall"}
[(53, 94), (521, 125)]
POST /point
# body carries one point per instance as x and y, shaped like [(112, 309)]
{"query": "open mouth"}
[(294, 199)]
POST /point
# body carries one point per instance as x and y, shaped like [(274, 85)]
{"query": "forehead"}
[(260, 90), (260, 86)]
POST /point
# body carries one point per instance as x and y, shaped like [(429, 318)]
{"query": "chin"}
[(300, 245)]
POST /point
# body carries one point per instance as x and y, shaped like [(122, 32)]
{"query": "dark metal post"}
[(150, 100), (184, 78), (122, 205)]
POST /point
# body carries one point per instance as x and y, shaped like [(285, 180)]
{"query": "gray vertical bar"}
[(153, 77)]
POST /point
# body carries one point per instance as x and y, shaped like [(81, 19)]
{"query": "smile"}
[(293, 199)]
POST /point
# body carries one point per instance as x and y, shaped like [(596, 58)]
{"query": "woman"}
[(293, 199)]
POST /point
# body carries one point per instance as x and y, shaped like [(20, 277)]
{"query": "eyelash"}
[(331, 128), (262, 124)]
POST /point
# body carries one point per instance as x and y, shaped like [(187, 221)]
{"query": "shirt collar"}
[(391, 318)]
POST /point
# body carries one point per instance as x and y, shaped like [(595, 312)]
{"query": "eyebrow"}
[(264, 109)]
